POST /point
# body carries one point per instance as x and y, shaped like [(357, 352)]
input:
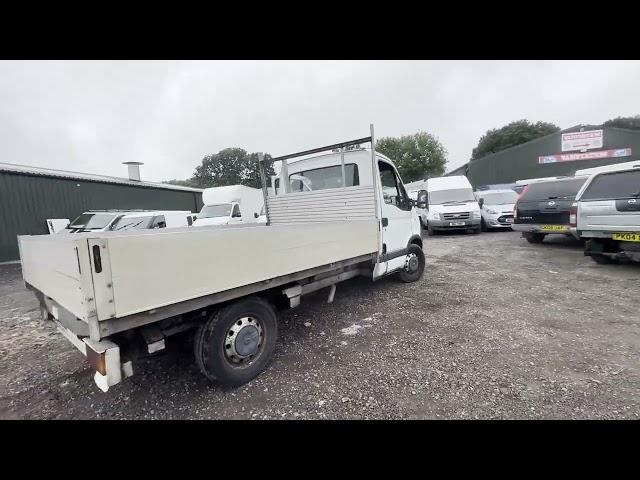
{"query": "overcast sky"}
[(91, 116)]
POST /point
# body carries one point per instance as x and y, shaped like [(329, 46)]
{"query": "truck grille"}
[(455, 216)]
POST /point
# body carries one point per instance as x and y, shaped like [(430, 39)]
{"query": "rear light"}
[(573, 215)]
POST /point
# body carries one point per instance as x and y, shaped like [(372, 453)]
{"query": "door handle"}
[(385, 221)]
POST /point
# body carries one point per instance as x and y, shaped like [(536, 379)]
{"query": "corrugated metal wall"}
[(521, 162), (26, 201)]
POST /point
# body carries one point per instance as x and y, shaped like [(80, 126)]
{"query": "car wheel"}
[(534, 237), (414, 265)]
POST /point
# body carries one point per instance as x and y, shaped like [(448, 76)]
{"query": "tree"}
[(231, 166), (515, 133), (416, 156), (624, 122)]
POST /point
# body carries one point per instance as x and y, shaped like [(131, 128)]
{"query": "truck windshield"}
[(502, 198), (455, 195), (92, 221), (613, 186), (131, 223), (565, 189), (212, 211)]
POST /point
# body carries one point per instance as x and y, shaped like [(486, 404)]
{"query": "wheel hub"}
[(243, 339), (412, 263)]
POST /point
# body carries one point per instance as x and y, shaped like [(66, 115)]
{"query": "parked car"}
[(544, 208), (451, 205), (120, 220), (608, 216), (496, 208), (230, 204)]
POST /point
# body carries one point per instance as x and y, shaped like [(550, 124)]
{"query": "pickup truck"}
[(118, 295), (545, 208), (608, 216)]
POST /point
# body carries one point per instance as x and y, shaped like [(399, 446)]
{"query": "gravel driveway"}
[(497, 328)]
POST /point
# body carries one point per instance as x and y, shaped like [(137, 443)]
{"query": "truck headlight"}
[(491, 212), (433, 216)]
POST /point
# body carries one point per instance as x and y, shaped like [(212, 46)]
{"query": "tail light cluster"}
[(573, 215), (515, 207)]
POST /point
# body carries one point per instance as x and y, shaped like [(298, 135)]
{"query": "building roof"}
[(48, 172)]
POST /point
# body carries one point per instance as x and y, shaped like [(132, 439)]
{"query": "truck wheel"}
[(237, 343), (414, 265), (534, 237)]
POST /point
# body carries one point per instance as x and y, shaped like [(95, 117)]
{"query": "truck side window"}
[(236, 211), (392, 189), (159, 222), (325, 177)]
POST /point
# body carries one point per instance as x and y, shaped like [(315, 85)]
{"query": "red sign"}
[(571, 157)]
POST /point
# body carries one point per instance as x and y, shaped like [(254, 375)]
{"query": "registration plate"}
[(508, 220), (627, 237), (553, 228), (456, 224)]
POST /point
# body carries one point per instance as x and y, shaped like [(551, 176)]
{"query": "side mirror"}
[(422, 199), (481, 202), (255, 215)]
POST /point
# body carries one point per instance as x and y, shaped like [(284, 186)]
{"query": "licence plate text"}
[(627, 237), (456, 224), (553, 228)]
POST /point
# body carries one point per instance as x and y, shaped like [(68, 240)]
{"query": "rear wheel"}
[(237, 343), (534, 237), (414, 265), (604, 259)]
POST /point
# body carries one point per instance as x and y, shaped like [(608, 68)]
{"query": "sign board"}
[(571, 157), (588, 140)]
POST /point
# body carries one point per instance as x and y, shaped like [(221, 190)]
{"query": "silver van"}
[(608, 216)]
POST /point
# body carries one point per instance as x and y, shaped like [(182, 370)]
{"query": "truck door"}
[(396, 217)]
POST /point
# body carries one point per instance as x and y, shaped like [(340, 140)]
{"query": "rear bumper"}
[(103, 356), (536, 228)]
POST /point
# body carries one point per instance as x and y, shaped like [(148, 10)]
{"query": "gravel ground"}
[(497, 328)]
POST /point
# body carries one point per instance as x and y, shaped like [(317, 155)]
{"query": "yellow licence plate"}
[(554, 228), (627, 237)]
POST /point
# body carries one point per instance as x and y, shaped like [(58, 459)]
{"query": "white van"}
[(121, 220), (451, 205), (496, 208), (230, 204)]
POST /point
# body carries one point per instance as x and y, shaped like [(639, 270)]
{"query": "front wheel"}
[(414, 265), (237, 343)]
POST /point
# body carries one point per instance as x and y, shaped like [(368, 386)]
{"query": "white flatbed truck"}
[(117, 294)]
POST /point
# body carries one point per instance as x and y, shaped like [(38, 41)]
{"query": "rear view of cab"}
[(546, 208), (608, 216)]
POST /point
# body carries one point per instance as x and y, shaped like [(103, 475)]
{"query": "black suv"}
[(545, 208)]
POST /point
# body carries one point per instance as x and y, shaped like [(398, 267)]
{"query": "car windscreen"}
[(212, 211), (502, 198), (455, 195), (564, 189), (613, 185), (131, 223), (92, 221)]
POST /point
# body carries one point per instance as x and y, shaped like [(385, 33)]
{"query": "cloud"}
[(91, 116)]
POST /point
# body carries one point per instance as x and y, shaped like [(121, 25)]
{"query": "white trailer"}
[(111, 292)]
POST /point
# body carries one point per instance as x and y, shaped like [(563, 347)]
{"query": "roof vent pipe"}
[(134, 170)]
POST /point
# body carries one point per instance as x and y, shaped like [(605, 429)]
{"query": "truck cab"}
[(228, 205)]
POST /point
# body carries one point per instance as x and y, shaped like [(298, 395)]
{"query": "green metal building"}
[(550, 156), (31, 195)]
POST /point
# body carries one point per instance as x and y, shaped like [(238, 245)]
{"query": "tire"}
[(483, 225), (214, 352), (534, 237), (604, 259), (430, 231), (413, 274)]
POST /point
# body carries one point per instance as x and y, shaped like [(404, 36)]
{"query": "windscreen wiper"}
[(129, 225)]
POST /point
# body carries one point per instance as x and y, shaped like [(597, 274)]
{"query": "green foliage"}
[(624, 122), (231, 166), (515, 133), (417, 157)]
